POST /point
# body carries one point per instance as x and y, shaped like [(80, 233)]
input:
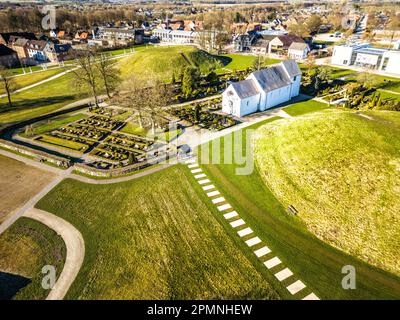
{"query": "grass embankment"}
[(25, 248), (168, 245), (318, 264), (340, 171), (163, 61)]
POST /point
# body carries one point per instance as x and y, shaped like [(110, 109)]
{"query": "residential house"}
[(298, 50), (81, 36), (58, 52), (243, 42), (5, 36), (263, 89), (121, 36), (280, 44), (8, 57), (37, 49), (20, 46)]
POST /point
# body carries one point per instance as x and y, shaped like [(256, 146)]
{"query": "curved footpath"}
[(75, 250)]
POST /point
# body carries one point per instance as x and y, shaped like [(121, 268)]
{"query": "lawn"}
[(304, 107), (19, 183), (133, 128), (55, 123), (25, 248), (340, 171), (28, 79), (318, 264), (241, 62), (157, 237)]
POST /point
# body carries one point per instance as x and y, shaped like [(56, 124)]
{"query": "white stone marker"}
[(244, 232), (194, 165), (213, 193), (311, 296), (224, 207), (190, 161), (196, 170), (272, 262), (237, 223), (230, 215), (296, 287), (262, 252), (198, 176), (204, 181), (218, 200), (253, 241), (284, 274), (209, 187)]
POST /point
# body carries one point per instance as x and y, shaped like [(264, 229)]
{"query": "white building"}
[(263, 89), (366, 56), (176, 36), (298, 50)]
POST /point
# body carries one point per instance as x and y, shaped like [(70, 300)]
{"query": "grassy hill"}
[(157, 237), (340, 170), (161, 61)]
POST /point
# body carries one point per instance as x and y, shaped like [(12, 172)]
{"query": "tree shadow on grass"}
[(10, 284), (34, 103)]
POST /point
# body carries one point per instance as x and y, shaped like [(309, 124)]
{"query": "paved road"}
[(75, 250)]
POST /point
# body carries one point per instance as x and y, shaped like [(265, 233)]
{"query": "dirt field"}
[(18, 183)]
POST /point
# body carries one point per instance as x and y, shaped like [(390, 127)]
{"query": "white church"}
[(263, 89)]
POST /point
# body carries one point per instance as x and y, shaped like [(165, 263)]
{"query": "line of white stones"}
[(236, 222)]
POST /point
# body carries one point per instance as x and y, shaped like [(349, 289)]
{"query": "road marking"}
[(218, 200), (253, 241), (204, 181), (224, 207), (237, 223), (196, 170), (284, 274), (244, 232), (230, 215), (262, 252), (213, 193), (194, 165), (209, 187), (190, 161), (198, 176), (272, 262), (296, 287), (311, 296)]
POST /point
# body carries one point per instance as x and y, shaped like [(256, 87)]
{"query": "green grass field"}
[(26, 80), (317, 263), (25, 248), (241, 62), (157, 237), (304, 107), (340, 171), (40, 100)]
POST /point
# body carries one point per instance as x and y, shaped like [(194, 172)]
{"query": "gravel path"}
[(75, 250)]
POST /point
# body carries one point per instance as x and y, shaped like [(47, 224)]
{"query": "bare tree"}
[(87, 74), (109, 75), (131, 94), (7, 83), (157, 97)]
